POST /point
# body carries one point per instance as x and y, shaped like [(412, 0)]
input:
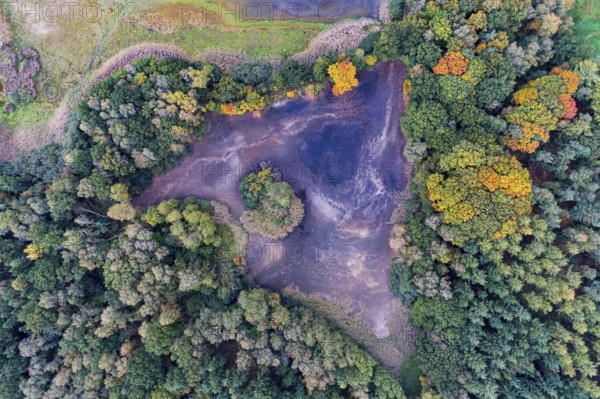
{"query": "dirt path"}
[(343, 156)]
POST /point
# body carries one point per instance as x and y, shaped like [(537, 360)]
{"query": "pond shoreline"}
[(343, 157)]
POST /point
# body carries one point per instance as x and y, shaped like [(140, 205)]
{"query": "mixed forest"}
[(497, 259), (499, 256), (101, 299)]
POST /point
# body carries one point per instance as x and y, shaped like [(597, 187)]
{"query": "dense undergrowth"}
[(499, 255)]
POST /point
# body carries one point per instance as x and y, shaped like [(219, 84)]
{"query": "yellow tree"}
[(478, 195), (343, 76)]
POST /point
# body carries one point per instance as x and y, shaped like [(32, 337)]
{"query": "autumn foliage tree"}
[(343, 76), (479, 196), (539, 106), (252, 103), (570, 79), (453, 63)]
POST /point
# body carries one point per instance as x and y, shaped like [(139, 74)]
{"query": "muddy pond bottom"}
[(343, 157)]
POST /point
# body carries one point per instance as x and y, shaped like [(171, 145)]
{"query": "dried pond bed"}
[(343, 157)]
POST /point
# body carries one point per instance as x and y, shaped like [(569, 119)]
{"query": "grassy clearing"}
[(65, 45), (64, 42), (253, 39), (29, 115), (186, 23), (74, 44), (586, 14)]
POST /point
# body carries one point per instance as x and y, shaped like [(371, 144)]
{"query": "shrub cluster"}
[(272, 208), (17, 71)]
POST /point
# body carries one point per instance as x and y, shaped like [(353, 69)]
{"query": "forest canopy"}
[(499, 254), (103, 299)]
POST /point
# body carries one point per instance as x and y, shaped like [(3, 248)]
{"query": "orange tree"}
[(479, 196), (453, 63)]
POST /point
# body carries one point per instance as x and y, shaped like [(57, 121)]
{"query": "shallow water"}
[(321, 11), (343, 157), (332, 153)]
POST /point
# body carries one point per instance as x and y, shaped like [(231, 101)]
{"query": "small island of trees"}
[(272, 208)]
